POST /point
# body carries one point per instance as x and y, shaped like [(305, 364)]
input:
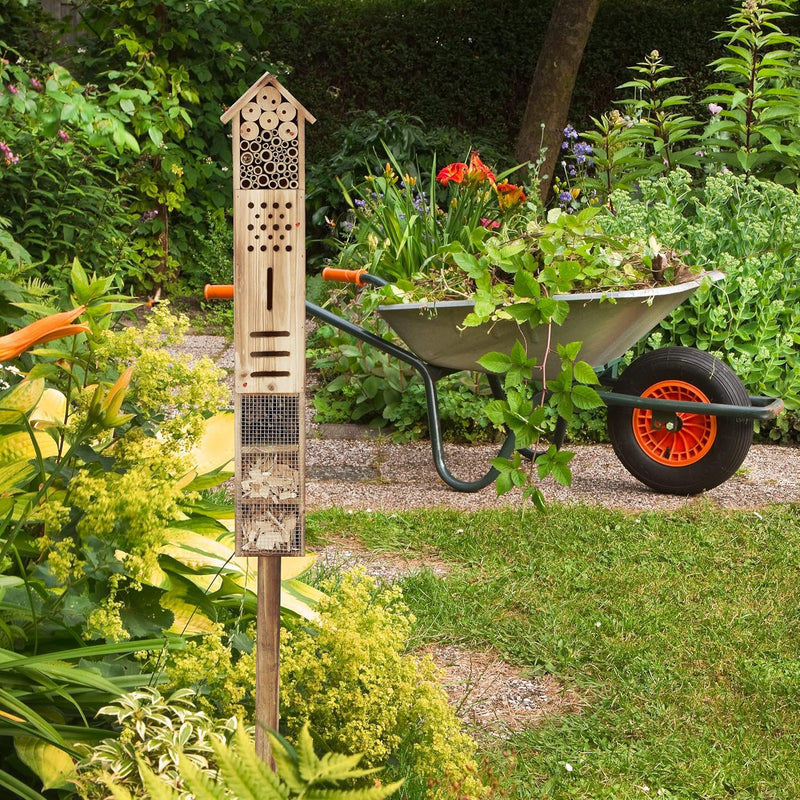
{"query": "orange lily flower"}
[(478, 171), (509, 195), (452, 172), (56, 326)]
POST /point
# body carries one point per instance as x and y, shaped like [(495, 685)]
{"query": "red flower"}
[(509, 195), (491, 224), (478, 171), (452, 172)]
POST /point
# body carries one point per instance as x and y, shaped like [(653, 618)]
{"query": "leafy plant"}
[(243, 776), (399, 231), (754, 121), (46, 700), (153, 730), (58, 153), (347, 675)]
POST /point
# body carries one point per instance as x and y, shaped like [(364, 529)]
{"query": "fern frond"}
[(36, 287), (286, 763), (118, 792), (370, 793), (244, 773), (155, 786), (337, 767), (197, 783), (331, 768)]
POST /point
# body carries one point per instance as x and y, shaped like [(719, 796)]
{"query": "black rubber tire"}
[(719, 383)]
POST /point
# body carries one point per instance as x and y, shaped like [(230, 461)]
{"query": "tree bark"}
[(551, 88)]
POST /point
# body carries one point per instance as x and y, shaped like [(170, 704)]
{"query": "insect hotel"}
[(269, 346), (269, 318)]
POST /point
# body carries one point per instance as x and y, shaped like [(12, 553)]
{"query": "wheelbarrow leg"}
[(437, 446)]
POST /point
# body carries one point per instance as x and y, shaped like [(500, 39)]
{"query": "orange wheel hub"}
[(689, 441)]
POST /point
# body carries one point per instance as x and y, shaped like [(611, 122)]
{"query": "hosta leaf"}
[(187, 619), (49, 763)]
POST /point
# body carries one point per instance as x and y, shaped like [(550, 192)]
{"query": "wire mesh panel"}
[(270, 475)]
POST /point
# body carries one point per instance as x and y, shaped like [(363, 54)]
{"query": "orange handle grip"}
[(343, 275), (218, 291)]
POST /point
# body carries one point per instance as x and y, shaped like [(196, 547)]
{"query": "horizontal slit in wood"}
[(269, 353), (268, 334), (270, 374)]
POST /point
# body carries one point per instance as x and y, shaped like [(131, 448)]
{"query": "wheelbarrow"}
[(679, 419)]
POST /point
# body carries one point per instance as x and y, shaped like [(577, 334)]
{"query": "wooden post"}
[(268, 623)]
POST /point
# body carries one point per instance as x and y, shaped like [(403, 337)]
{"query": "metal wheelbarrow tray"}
[(607, 323)]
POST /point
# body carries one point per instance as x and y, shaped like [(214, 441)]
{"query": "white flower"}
[(568, 767)]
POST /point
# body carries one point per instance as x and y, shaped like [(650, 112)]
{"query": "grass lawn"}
[(680, 631)]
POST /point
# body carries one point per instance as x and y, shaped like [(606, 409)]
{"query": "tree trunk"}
[(553, 81)]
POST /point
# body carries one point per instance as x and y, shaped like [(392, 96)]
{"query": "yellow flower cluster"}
[(165, 379), (350, 677), (222, 682)]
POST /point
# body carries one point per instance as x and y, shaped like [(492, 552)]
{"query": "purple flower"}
[(565, 198), (570, 133), (148, 215), (13, 89), (714, 108), (36, 85), (62, 135)]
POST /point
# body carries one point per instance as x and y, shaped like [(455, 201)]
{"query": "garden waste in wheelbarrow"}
[(608, 324), (679, 419)]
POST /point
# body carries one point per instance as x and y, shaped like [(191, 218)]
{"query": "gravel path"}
[(384, 476), (344, 469)]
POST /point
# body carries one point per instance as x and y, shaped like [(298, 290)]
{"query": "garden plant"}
[(126, 624)]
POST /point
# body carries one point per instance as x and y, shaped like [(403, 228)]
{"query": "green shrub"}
[(61, 194), (348, 675), (360, 383), (746, 228)]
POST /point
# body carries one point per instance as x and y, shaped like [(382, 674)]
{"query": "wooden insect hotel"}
[(269, 318)]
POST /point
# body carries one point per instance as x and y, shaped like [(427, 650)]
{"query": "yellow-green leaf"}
[(187, 619), (50, 764)]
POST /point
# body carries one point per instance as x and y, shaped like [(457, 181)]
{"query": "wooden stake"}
[(268, 626)]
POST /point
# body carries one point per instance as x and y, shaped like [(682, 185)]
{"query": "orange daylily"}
[(478, 171), (452, 172), (56, 326), (509, 195)]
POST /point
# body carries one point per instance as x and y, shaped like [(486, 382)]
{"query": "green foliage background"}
[(469, 64)]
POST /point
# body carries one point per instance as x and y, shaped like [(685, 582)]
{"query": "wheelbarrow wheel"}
[(700, 451)]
